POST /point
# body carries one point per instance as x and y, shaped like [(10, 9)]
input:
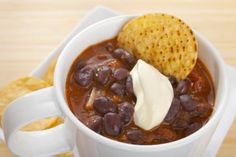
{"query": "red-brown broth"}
[(200, 87)]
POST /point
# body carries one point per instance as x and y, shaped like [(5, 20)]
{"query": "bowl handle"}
[(232, 81), (24, 110)]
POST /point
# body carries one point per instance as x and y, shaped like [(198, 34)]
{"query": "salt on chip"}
[(49, 75), (19, 88), (162, 40)]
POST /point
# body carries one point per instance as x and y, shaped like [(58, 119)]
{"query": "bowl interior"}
[(108, 29)]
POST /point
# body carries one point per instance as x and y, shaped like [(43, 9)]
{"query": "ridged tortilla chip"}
[(162, 40)]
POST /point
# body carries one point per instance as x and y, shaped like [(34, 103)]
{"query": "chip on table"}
[(20, 87), (49, 74), (23, 86)]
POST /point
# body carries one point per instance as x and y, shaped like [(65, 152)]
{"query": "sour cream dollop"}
[(154, 95)]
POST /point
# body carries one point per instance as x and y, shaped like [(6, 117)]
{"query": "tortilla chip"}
[(162, 40), (49, 75), (67, 154)]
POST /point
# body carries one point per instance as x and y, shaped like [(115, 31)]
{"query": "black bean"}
[(117, 53), (135, 136), (80, 64), (192, 128), (129, 85), (128, 58), (182, 120), (118, 89), (121, 73), (112, 124), (180, 124), (182, 87), (174, 109), (109, 47), (103, 104), (103, 74), (124, 56), (173, 81), (126, 111), (95, 123), (187, 102), (84, 76)]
